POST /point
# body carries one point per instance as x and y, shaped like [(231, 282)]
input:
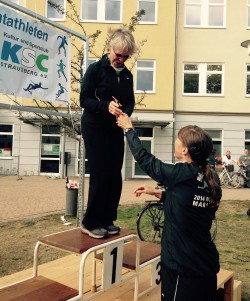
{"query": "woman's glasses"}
[(121, 56)]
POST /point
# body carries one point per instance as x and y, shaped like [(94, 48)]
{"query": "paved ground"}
[(36, 195)]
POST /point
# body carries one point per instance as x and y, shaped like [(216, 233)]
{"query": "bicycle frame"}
[(241, 172), (223, 173), (230, 179)]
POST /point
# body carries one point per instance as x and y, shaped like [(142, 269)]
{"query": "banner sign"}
[(35, 58)]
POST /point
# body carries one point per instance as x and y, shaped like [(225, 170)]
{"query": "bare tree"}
[(71, 126)]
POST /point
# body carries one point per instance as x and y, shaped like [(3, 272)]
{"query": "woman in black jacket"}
[(106, 92), (190, 260)]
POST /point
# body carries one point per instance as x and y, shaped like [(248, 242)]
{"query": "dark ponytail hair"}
[(200, 146)]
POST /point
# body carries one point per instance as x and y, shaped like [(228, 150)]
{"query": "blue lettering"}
[(11, 52)]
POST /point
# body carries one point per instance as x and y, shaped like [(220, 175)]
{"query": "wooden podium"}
[(115, 252)]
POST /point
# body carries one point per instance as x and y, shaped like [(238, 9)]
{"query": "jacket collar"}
[(106, 63)]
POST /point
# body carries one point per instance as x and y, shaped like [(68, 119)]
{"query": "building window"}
[(248, 81), (145, 76), (101, 10), (248, 13), (91, 61), (50, 149), (205, 13), (203, 79), (146, 137), (150, 7), (216, 136), (86, 162), (6, 140), (19, 2), (247, 140), (53, 13)]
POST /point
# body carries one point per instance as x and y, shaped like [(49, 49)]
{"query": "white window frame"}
[(203, 73), (247, 74), (246, 146), (156, 11), (91, 60), (8, 134), (101, 12), (48, 158), (248, 14), (78, 158), (18, 2), (63, 16), (144, 138), (145, 69), (204, 13), (216, 139)]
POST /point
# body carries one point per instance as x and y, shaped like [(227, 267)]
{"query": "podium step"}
[(148, 251), (37, 289)]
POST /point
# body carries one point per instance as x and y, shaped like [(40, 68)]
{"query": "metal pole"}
[(28, 109), (62, 155), (42, 18), (80, 208)]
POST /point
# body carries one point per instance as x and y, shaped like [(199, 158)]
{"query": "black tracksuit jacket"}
[(103, 139), (99, 85), (186, 243)]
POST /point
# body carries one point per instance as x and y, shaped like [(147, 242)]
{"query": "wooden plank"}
[(71, 275), (122, 292), (223, 276), (225, 279), (148, 251), (237, 290), (66, 271), (37, 289), (125, 291), (75, 241)]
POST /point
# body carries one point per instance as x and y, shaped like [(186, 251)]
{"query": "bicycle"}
[(150, 221), (242, 174), (230, 179)]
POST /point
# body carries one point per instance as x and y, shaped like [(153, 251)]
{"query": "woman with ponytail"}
[(190, 260)]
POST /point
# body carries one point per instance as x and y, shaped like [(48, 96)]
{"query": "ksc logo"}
[(28, 56)]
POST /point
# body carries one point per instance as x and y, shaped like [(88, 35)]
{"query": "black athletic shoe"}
[(112, 229), (96, 233)]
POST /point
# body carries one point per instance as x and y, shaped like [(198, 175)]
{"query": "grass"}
[(16, 252), (233, 243)]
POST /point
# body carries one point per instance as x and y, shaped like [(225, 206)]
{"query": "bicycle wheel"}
[(221, 177), (150, 222), (242, 181), (213, 229), (232, 181)]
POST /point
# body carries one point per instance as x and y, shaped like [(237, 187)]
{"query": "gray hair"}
[(122, 38)]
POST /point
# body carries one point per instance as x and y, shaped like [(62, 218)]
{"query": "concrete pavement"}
[(34, 196)]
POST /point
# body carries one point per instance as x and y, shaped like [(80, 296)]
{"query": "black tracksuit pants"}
[(180, 287), (104, 146)]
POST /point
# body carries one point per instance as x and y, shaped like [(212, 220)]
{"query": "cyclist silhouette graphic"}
[(34, 86), (62, 45), (61, 69)]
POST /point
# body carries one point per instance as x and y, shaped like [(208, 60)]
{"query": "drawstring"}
[(175, 293)]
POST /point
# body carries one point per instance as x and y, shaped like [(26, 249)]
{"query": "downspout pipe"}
[(175, 76)]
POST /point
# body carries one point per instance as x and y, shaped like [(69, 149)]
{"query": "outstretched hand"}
[(144, 189), (148, 190), (124, 121)]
